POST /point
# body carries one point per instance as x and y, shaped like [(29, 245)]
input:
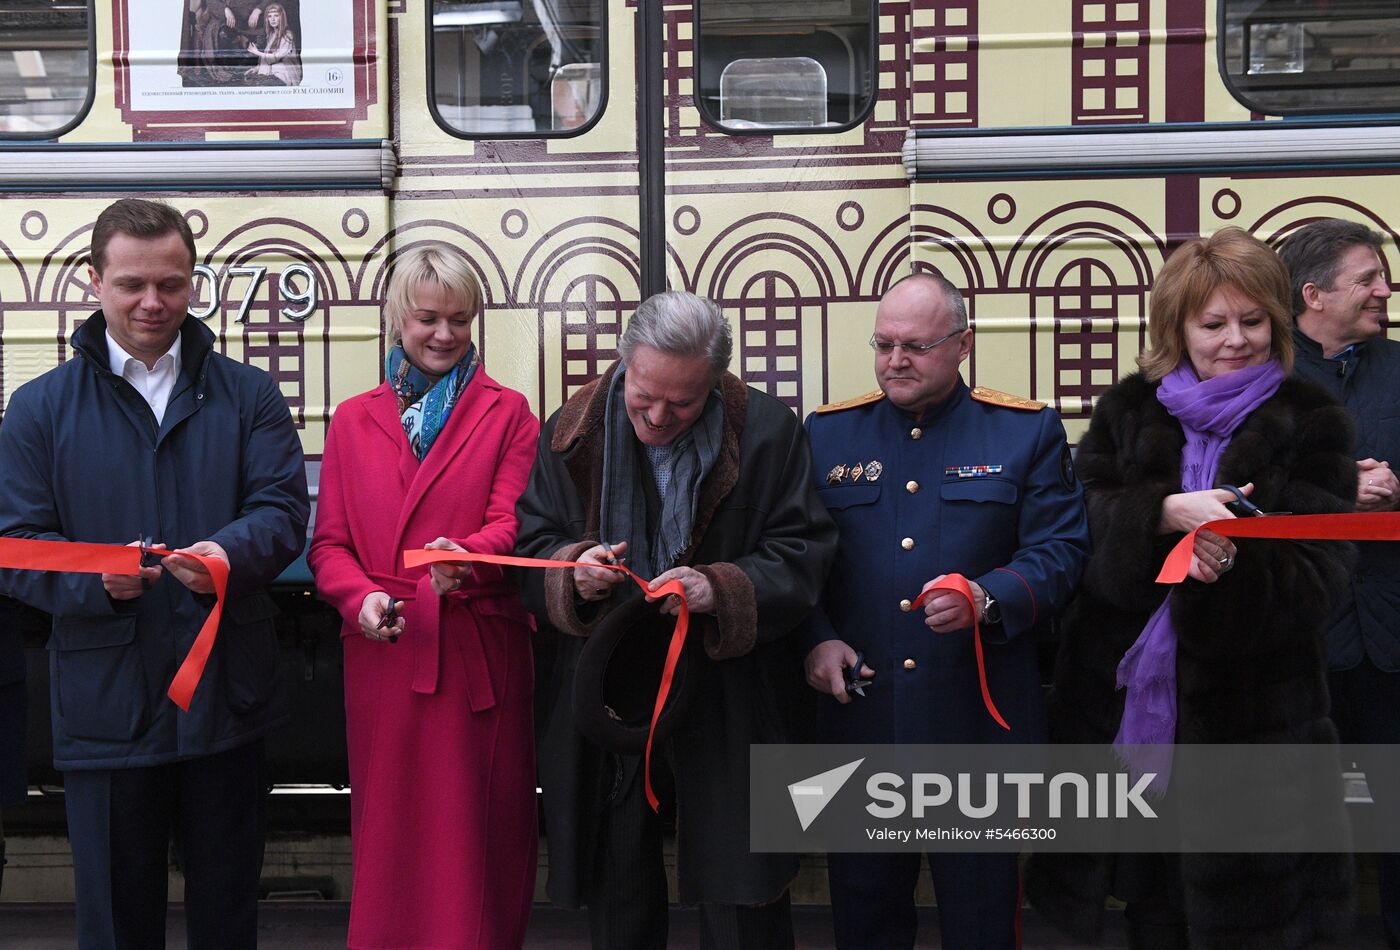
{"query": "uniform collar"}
[(938, 410)]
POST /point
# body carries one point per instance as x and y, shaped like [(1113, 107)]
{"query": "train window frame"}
[(1250, 99), (429, 82), (863, 114), (47, 135)]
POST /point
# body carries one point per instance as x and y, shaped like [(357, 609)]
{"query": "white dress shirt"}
[(154, 385)]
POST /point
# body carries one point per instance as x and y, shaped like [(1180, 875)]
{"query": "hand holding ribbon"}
[(959, 585), (114, 559), (1353, 526), (672, 587)]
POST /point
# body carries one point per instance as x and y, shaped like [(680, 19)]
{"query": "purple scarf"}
[(1209, 412)]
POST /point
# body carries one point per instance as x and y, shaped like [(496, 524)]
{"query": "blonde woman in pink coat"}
[(438, 668)]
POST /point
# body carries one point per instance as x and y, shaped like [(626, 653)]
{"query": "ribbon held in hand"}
[(79, 557), (417, 557), (1352, 526), (959, 585)]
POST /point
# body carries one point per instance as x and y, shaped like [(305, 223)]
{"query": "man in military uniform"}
[(927, 478)]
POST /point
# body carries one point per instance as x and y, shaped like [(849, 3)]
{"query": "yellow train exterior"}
[(788, 159)]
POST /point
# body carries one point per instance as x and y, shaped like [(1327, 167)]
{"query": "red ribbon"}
[(418, 557), (1353, 526), (960, 586), (79, 557)]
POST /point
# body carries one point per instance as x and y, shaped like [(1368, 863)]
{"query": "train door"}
[(588, 155)]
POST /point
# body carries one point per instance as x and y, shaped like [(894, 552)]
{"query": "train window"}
[(1297, 56), (785, 65), (516, 68), (46, 73)]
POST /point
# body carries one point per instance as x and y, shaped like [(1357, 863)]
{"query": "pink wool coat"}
[(439, 724)]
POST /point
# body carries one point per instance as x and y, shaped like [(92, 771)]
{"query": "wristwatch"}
[(991, 610)]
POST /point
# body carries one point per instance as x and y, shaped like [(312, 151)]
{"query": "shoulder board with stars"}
[(852, 403), (994, 397)]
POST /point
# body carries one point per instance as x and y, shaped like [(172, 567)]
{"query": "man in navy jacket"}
[(924, 478), (146, 432), (1340, 289)]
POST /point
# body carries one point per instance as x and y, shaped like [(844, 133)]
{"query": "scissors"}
[(148, 558), (854, 684), (1242, 507), (391, 617), (619, 561)]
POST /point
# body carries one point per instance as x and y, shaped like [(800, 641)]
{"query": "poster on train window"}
[(234, 61)]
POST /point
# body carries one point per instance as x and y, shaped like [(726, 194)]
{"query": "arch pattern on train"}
[(581, 278)]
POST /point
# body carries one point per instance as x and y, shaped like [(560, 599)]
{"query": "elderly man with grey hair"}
[(670, 462)]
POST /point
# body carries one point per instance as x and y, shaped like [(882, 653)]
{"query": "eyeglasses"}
[(886, 347)]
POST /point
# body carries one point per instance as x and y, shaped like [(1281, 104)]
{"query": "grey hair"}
[(957, 306), (680, 324)]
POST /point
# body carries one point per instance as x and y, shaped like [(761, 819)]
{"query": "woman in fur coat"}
[(1238, 645)]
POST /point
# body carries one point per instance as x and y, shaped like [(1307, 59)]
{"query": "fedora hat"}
[(619, 673)]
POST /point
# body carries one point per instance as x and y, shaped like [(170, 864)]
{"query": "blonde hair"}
[(431, 264), (1228, 258)]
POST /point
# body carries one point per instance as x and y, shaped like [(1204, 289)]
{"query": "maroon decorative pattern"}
[(1110, 66), (590, 316), (945, 79), (770, 335)]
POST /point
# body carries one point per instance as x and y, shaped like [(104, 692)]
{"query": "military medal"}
[(873, 470), (972, 471), (856, 471), (835, 476)]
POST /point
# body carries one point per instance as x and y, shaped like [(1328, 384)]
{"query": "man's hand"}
[(826, 667), (699, 594), (947, 611), (372, 611), (1187, 511), (190, 572), (256, 15), (228, 18), (446, 577), (127, 586), (1376, 486), (596, 583)]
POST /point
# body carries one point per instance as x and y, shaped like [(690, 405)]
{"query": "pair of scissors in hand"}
[(391, 617), (619, 561)]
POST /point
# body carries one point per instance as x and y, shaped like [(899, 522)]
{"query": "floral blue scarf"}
[(424, 406)]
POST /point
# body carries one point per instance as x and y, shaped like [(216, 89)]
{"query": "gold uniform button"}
[(907, 544), (906, 605), (916, 433), (909, 664), (911, 487)]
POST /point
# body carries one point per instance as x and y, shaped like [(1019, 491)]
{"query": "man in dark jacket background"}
[(1340, 289), (692, 476), (146, 432)]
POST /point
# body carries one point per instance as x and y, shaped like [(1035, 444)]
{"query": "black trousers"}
[(120, 824), (1366, 709), (627, 908), (872, 900)]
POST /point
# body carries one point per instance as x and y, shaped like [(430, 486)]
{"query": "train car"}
[(788, 158)]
